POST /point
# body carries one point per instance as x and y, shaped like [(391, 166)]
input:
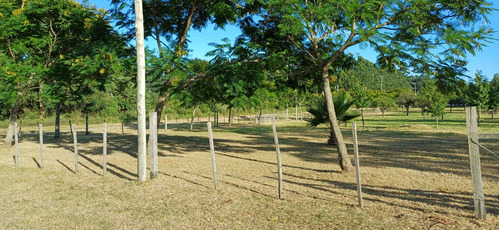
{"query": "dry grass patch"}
[(411, 180)]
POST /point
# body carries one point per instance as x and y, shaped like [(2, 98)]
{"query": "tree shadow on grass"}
[(274, 163), (186, 180), (456, 200), (431, 152), (234, 185)]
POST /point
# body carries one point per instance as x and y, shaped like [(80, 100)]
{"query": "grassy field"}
[(414, 177)]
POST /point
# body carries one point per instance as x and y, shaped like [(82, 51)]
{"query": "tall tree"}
[(406, 98), (169, 22), (362, 100), (431, 99), (405, 34), (477, 94), (40, 39), (493, 95)]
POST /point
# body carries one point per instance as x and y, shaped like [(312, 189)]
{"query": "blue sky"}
[(486, 60)]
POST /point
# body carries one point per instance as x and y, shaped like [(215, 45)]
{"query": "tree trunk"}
[(286, 111), (331, 139), (160, 104), (57, 131), (141, 92), (229, 122), (13, 120), (260, 115), (300, 110), (478, 117), (296, 110), (363, 117), (41, 108), (86, 124), (215, 115), (383, 111), (437, 122), (344, 161), (192, 117), (407, 110)]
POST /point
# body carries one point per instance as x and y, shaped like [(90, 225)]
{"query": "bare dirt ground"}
[(412, 178)]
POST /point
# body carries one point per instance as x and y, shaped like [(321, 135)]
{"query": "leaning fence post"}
[(40, 133), (153, 146), (475, 163), (278, 155), (16, 144), (104, 147), (356, 157), (73, 128), (212, 152)]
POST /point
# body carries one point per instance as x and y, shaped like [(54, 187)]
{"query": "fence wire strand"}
[(487, 150)]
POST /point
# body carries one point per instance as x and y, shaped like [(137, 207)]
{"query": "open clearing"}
[(413, 177)]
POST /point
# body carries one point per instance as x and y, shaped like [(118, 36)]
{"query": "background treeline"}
[(62, 57)]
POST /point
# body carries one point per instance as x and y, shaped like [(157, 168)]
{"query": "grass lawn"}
[(413, 176)]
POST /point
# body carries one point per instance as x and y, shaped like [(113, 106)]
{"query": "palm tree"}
[(342, 103)]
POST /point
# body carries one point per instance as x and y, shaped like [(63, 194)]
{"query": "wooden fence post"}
[(73, 128), (16, 144), (212, 152), (356, 157), (153, 146), (475, 163), (40, 134), (278, 156), (104, 147)]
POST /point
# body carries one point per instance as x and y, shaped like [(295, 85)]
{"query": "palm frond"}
[(342, 103)]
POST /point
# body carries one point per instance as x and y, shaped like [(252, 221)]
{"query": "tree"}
[(39, 41), (493, 95), (406, 98), (383, 101), (171, 21), (372, 76), (431, 99), (361, 99), (319, 112), (403, 33), (477, 94)]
